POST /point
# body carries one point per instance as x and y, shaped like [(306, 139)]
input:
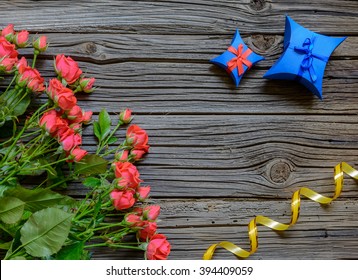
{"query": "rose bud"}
[(7, 64), (21, 38), (8, 32), (40, 44), (30, 78), (151, 213), (125, 116), (143, 193), (21, 63), (122, 156), (137, 154), (87, 116), (134, 221), (8, 55), (78, 154), (158, 248), (86, 84), (75, 114), (69, 140), (148, 231)]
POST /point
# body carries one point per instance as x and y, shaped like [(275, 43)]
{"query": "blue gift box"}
[(305, 57), (237, 59)]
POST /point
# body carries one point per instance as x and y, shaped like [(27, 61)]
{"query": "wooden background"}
[(219, 155)]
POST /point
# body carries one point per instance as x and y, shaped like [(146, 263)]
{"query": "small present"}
[(305, 57), (237, 59)]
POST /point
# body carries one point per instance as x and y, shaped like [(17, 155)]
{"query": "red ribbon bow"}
[(239, 60)]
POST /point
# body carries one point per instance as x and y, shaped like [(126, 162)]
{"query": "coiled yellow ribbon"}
[(339, 171)]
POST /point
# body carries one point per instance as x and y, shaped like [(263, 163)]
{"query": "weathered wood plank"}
[(118, 47), (192, 225), (244, 156), (181, 17), (222, 155), (202, 88)]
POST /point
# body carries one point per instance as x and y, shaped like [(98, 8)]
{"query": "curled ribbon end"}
[(339, 171)]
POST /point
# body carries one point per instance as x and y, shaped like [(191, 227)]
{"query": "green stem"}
[(20, 134), (112, 245), (46, 165), (105, 141), (15, 252), (12, 81), (34, 60)]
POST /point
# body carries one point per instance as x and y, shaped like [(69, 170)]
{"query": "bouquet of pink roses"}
[(41, 138)]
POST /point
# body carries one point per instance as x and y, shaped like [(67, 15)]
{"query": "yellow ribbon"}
[(339, 171)]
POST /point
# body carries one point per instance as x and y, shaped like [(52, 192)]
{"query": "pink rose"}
[(7, 64), (21, 63), (40, 44), (66, 99), (122, 199), (158, 248), (125, 116), (122, 156), (8, 32), (75, 114), (67, 68), (137, 154), (127, 174), (134, 221), (62, 96), (52, 122), (69, 140), (137, 138), (8, 55), (151, 212), (31, 78), (87, 117), (77, 154), (143, 193), (148, 231), (21, 38), (48, 121), (86, 84)]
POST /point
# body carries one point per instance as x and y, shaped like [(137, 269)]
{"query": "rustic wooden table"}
[(219, 155)]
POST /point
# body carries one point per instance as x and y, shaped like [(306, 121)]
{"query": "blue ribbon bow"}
[(306, 64)]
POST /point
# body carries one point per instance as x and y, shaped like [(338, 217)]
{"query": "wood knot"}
[(90, 48), (263, 42), (257, 5), (279, 171)]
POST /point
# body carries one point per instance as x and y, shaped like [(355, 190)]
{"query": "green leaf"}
[(112, 140), (32, 168), (15, 244), (105, 123), (11, 209), (97, 130), (91, 165), (5, 246), (22, 106), (45, 232), (38, 199), (92, 182), (71, 252)]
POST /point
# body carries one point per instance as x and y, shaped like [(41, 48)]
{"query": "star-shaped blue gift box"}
[(305, 56), (237, 59)]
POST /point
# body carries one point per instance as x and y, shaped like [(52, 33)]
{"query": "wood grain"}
[(321, 232), (181, 17), (219, 155)]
